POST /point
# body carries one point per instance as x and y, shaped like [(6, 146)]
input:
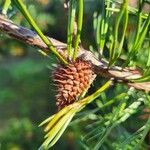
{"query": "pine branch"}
[(31, 38)]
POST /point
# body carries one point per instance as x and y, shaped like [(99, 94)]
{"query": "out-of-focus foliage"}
[(26, 90), (20, 131)]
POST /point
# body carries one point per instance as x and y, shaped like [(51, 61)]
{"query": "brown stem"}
[(31, 38)]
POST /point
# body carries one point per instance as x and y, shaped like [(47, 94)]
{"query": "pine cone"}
[(71, 81)]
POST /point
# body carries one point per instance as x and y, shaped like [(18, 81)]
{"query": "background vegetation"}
[(26, 95)]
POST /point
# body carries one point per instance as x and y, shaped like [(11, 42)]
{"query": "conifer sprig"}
[(57, 124), (21, 6)]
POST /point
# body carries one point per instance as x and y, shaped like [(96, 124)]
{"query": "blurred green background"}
[(26, 91)]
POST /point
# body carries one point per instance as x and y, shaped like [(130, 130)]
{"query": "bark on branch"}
[(31, 38)]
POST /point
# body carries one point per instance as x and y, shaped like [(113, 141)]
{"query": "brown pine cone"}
[(71, 81)]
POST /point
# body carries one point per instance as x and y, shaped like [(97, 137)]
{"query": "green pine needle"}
[(79, 27), (59, 122), (71, 21), (6, 6)]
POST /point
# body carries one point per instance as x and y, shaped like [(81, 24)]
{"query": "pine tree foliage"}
[(107, 122)]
